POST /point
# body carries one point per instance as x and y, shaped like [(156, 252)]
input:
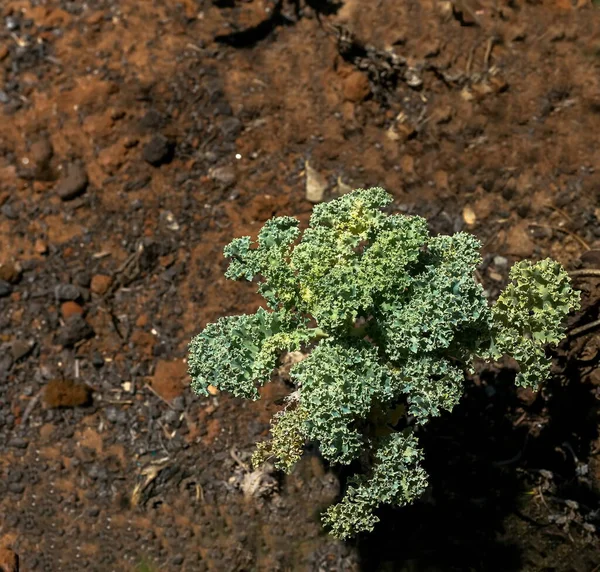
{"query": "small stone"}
[(16, 488), (4, 97), (74, 183), (356, 87), (61, 393), (67, 292), (93, 512), (100, 284), (40, 155), (231, 127), (9, 560), (10, 272), (10, 212), (70, 308), (6, 362), (177, 560), (223, 175), (5, 289), (18, 443), (158, 151), (212, 390), (500, 261), (97, 360), (40, 246), (21, 348), (75, 330), (469, 216), (316, 184), (41, 151), (12, 23)]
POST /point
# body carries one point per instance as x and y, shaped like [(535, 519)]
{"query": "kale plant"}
[(390, 318)]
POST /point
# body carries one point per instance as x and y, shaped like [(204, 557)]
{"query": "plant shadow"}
[(478, 459)]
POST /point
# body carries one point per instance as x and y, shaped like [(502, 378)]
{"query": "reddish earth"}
[(137, 138)]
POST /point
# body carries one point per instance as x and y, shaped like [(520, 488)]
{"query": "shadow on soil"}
[(473, 457)]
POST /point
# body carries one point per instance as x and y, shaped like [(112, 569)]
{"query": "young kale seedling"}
[(391, 318)]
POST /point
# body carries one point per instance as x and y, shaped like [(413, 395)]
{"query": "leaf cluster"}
[(390, 317)]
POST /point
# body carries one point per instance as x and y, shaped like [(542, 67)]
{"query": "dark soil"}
[(138, 137)]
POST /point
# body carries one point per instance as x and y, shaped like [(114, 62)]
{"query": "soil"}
[(138, 138)]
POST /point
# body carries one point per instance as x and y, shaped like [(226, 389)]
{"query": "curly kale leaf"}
[(442, 302), (431, 385), (339, 384), (237, 353), (288, 431), (529, 314), (396, 478), (353, 256), (268, 259)]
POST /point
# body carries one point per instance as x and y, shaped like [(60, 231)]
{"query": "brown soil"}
[(138, 137)]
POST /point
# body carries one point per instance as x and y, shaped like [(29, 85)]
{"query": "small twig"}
[(560, 229), (30, 406), (582, 329), (470, 60), (584, 272), (149, 387), (488, 52)]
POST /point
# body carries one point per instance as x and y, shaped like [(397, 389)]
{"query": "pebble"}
[(41, 152), (70, 308), (97, 360), (500, 261), (224, 175), (177, 560), (18, 443), (74, 183), (40, 246), (9, 560), (231, 127), (356, 87), (10, 212), (11, 23), (4, 97), (67, 292), (100, 284), (5, 288), (21, 348), (17, 488), (65, 393), (74, 330), (6, 362), (10, 272), (316, 184), (158, 151)]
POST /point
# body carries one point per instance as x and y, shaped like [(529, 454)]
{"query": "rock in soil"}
[(158, 151), (21, 349), (10, 272), (68, 292), (74, 330), (100, 284), (5, 288), (9, 560), (74, 183), (66, 393)]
